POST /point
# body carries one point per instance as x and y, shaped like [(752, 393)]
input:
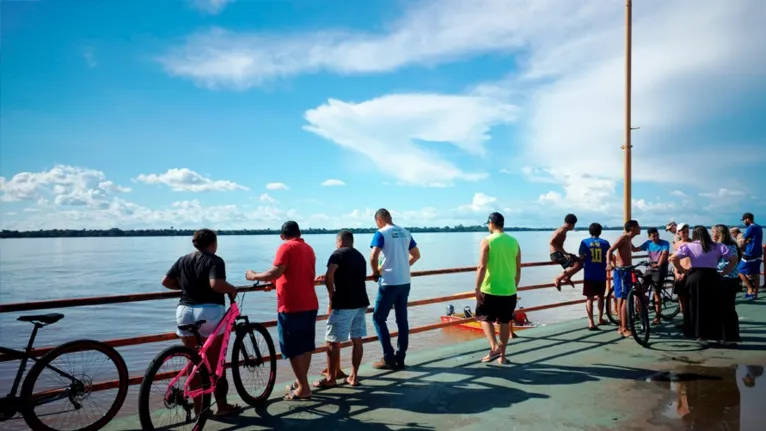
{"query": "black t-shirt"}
[(350, 285), (194, 272)]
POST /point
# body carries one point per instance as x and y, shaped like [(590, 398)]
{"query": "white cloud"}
[(277, 186), (679, 193), (723, 193), (395, 124), (186, 180), (568, 80), (65, 185), (267, 199), (480, 203), (332, 183), (212, 7)]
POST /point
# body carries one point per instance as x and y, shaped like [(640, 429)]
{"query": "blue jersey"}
[(595, 259), (655, 250), (753, 249)]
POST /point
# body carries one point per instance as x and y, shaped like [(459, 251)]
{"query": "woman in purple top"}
[(702, 321)]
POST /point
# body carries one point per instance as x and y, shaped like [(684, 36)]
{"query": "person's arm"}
[(481, 269), (642, 247), (170, 280), (414, 252), (218, 279), (518, 267), (611, 259), (557, 241), (377, 247), (663, 258), (329, 280), (277, 268)]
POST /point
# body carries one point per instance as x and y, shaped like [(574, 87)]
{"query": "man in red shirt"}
[(293, 273)]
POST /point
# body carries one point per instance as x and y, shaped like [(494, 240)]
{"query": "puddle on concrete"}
[(712, 398)]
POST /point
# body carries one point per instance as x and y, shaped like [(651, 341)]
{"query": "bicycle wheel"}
[(670, 306), (638, 318), (255, 360), (612, 313), (185, 412), (59, 393)]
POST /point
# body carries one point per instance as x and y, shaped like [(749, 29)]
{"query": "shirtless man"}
[(570, 262), (679, 286), (621, 278)]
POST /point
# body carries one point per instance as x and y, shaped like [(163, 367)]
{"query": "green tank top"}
[(500, 278)]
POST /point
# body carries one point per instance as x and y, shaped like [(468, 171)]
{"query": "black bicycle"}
[(669, 303), (57, 395)]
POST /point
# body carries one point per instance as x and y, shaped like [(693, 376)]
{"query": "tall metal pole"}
[(628, 53)]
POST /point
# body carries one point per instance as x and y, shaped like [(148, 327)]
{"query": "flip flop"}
[(235, 410), (292, 396), (323, 384), (491, 357), (351, 383), (594, 328)]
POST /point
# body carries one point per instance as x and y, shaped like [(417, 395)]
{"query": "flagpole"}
[(628, 53)]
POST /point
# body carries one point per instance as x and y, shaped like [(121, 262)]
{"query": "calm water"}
[(42, 269)]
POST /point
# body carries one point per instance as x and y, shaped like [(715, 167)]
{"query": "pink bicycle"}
[(191, 406)]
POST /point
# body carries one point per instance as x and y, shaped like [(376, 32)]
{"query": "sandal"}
[(292, 396), (323, 384), (491, 357), (235, 410), (353, 382)]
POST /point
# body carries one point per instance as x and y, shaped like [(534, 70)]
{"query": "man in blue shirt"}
[(392, 272), (750, 265), (593, 255), (658, 251)]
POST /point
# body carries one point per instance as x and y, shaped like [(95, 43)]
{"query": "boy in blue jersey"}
[(658, 251), (752, 256), (593, 254)]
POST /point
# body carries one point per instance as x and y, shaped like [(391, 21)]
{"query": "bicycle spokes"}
[(170, 407), (67, 394)]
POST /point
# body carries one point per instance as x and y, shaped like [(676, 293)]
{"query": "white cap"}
[(681, 226)]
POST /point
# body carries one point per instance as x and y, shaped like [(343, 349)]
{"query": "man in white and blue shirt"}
[(393, 252)]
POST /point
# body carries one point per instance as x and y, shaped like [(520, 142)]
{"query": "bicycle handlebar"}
[(632, 267)]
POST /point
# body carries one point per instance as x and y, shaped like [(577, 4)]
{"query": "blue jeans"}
[(392, 296)]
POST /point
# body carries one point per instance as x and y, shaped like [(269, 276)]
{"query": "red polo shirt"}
[(296, 290)]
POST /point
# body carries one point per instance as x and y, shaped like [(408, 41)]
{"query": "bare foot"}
[(557, 283), (501, 360), (352, 380), (602, 322), (627, 333)]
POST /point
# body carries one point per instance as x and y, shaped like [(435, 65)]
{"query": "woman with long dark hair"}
[(703, 283), (730, 286)]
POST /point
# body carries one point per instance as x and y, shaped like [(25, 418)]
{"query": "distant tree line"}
[(75, 233)]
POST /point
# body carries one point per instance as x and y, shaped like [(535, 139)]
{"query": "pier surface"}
[(560, 377)]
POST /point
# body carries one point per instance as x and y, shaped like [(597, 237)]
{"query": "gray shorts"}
[(345, 324), (190, 314)]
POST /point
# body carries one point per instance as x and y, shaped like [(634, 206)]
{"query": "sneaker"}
[(384, 365)]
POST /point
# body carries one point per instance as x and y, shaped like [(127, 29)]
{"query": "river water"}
[(52, 268)]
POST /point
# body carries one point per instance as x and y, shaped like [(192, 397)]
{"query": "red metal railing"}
[(155, 338)]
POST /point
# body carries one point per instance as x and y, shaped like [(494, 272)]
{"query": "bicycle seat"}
[(48, 319), (193, 327)]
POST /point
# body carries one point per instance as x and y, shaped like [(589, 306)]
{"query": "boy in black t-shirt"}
[(346, 285)]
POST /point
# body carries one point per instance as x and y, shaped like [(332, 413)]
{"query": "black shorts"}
[(592, 288), (493, 308), (566, 260), (679, 287), (656, 278)]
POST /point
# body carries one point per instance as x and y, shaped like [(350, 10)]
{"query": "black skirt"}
[(729, 316), (702, 319)]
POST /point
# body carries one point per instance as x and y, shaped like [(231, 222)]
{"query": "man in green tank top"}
[(497, 277)]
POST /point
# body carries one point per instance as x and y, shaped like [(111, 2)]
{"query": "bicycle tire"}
[(637, 310), (144, 410), (675, 308), (242, 332), (611, 308), (28, 406)]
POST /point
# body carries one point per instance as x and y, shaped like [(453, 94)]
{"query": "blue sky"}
[(234, 114)]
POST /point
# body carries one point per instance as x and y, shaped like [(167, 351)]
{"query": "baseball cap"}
[(681, 226), (496, 218), (670, 225), (748, 216)]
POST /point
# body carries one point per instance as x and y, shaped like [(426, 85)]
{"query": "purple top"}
[(699, 259)]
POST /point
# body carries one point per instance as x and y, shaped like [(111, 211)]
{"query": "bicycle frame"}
[(227, 323)]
